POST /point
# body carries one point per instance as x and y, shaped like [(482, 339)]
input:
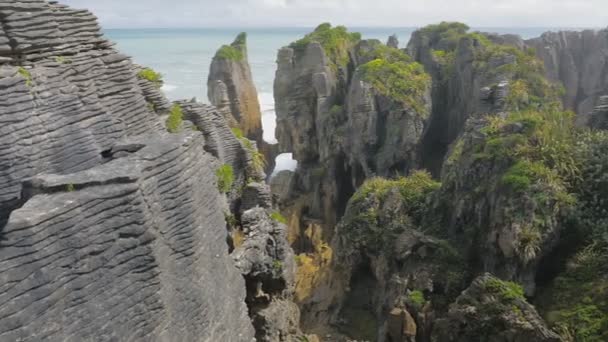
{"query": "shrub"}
[(406, 82), (235, 51), (230, 53), (375, 226), (278, 217), (506, 290), (152, 76), (416, 298), (257, 158), (225, 178), (175, 119), (70, 188), (336, 42)]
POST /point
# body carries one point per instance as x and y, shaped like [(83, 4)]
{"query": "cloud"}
[(403, 13)]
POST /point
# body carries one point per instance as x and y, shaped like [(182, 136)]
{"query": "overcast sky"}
[(400, 13)]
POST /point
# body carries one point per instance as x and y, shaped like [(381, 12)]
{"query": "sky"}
[(359, 13)]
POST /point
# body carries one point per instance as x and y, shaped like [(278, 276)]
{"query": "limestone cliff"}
[(231, 88), (518, 191), (125, 217), (578, 61)]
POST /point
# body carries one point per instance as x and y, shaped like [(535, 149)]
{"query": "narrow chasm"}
[(358, 313)]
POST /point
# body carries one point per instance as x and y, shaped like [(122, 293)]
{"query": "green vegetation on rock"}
[(505, 290), (234, 51), (528, 87), (383, 208), (225, 178), (152, 76), (336, 42), (578, 298), (278, 217), (62, 60), (175, 119), (416, 298), (257, 158), (393, 74), (29, 81)]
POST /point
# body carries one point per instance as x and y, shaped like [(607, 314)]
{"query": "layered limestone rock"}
[(132, 249), (392, 273), (348, 110), (339, 120), (506, 154), (463, 67), (492, 310), (599, 117), (67, 96), (113, 228), (231, 88), (576, 59)]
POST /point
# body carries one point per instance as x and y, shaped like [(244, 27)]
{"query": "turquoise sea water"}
[(183, 57)]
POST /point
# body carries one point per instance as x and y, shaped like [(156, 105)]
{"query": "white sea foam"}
[(269, 118)]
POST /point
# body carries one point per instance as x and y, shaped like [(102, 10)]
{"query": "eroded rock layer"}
[(133, 249), (111, 227), (578, 61)]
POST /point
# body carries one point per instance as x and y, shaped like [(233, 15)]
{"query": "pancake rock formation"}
[(124, 216)]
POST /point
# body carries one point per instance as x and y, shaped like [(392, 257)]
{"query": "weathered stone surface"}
[(599, 117), (461, 88), (267, 262), (336, 124), (117, 229), (487, 312), (231, 89), (73, 97), (133, 249), (579, 61)]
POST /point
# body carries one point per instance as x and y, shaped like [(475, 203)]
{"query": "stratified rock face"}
[(578, 60), (231, 88), (599, 117), (112, 228), (343, 124), (71, 98), (337, 122), (492, 310), (134, 249), (464, 83)]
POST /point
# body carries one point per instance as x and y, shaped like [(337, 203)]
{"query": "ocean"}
[(183, 57)]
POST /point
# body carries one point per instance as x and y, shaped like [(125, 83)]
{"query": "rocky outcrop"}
[(465, 81), (67, 95), (578, 60), (345, 117), (231, 88), (599, 117), (267, 262), (339, 122), (132, 249), (113, 228), (492, 310), (393, 42)]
